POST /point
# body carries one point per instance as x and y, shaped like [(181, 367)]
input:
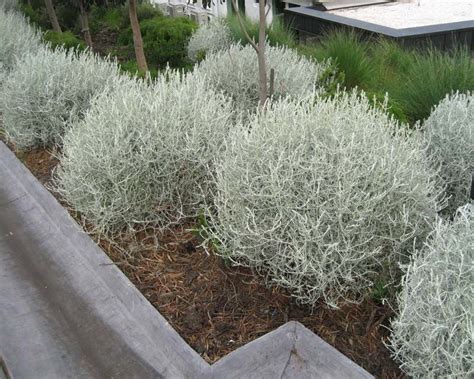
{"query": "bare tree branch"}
[(242, 26)]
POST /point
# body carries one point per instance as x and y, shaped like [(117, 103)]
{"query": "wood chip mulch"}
[(217, 309)]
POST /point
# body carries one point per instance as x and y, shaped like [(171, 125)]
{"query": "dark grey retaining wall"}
[(310, 22), (66, 311)]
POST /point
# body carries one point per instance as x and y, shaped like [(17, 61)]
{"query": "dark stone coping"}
[(463, 30)]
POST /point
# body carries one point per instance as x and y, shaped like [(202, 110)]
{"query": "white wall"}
[(251, 10)]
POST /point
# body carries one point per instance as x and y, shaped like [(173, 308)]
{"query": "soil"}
[(217, 308)]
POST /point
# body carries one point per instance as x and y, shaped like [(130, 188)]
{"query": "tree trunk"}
[(85, 24), (52, 15), (262, 65), (137, 37)]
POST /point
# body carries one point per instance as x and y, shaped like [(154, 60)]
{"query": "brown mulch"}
[(40, 162), (217, 309)]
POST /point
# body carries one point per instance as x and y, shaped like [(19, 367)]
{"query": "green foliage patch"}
[(66, 39)]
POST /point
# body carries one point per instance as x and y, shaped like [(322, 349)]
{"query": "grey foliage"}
[(47, 90), (433, 333), (17, 39), (235, 72), (208, 39), (449, 134), (8, 4), (322, 195), (143, 153)]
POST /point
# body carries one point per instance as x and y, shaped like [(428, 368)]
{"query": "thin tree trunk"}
[(259, 49), (262, 66), (137, 37), (85, 24), (52, 15)]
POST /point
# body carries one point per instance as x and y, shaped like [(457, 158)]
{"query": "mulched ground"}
[(217, 309)]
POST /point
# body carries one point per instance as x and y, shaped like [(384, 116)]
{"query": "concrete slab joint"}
[(66, 311)]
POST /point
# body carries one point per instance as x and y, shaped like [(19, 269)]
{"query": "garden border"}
[(311, 22), (67, 311)]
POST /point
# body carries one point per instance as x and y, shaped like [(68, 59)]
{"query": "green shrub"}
[(323, 196), (68, 16), (111, 18), (66, 39), (277, 34), (37, 17), (117, 18), (432, 334), (151, 158), (145, 11), (131, 68), (164, 40), (389, 105), (350, 55), (430, 77), (449, 133)]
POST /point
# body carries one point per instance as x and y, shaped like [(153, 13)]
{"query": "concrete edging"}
[(66, 311)]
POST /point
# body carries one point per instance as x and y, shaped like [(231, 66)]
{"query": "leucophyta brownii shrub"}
[(49, 89), (143, 153), (433, 332), (322, 196), (209, 38), (235, 72), (17, 38), (449, 134), (8, 4)]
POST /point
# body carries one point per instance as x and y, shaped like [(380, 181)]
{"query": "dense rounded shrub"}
[(209, 38), (165, 40), (432, 335), (65, 39), (449, 134), (235, 71), (17, 39), (49, 89), (143, 153), (322, 196)]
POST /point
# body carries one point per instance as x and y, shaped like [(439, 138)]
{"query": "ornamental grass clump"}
[(235, 72), (142, 155), (323, 197), (17, 39), (449, 134), (50, 89), (432, 335), (209, 38)]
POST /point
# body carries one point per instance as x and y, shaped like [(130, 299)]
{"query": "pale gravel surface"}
[(401, 15)]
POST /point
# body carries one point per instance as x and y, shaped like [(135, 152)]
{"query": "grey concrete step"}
[(66, 311)]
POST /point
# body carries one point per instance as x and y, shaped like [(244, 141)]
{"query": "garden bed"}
[(217, 308)]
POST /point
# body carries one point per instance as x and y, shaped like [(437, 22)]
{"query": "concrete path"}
[(66, 311)]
